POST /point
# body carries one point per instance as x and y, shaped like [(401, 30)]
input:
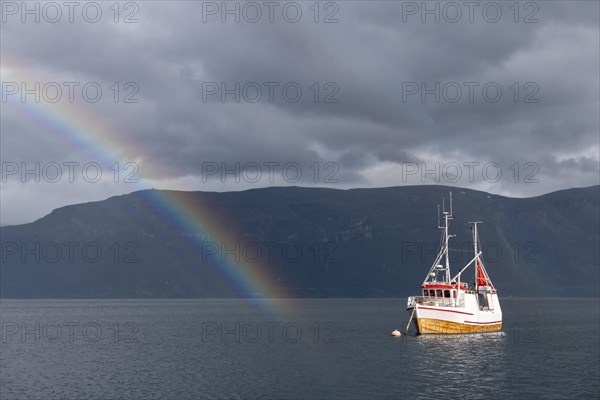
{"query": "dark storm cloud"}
[(368, 58)]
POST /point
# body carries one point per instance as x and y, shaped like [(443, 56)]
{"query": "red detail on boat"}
[(481, 281), (473, 322), (443, 286), (436, 285), (439, 309)]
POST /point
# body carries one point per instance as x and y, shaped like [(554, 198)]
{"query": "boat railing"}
[(435, 301)]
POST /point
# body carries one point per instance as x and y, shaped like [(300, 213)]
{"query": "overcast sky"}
[(485, 95)]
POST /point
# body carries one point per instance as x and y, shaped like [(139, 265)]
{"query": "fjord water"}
[(306, 349)]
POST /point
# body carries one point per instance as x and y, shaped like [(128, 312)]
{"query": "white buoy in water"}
[(396, 333)]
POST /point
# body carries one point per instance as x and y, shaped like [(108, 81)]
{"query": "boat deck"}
[(435, 301)]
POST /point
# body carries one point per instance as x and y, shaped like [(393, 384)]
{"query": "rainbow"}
[(66, 124)]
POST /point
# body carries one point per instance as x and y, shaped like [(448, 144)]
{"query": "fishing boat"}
[(449, 304)]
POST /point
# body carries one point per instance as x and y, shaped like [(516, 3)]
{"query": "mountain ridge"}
[(362, 242)]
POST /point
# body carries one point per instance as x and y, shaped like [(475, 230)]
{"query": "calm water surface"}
[(290, 349)]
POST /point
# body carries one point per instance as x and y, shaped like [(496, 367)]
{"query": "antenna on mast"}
[(451, 203)]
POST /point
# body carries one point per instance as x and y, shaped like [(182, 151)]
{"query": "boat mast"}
[(447, 216), (476, 249), (437, 267)]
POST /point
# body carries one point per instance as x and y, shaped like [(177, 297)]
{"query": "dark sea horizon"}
[(549, 348)]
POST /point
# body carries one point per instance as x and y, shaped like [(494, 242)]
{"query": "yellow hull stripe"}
[(430, 325)]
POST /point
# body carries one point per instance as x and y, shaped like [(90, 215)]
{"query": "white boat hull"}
[(466, 317)]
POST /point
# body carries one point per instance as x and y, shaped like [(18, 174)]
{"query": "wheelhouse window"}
[(439, 293), (446, 293)]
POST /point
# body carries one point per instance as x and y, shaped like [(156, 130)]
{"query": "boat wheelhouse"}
[(448, 304)]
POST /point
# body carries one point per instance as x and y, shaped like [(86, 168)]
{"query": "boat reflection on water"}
[(462, 366), (449, 362), (481, 337)]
